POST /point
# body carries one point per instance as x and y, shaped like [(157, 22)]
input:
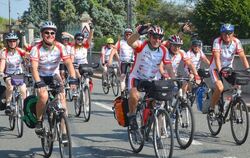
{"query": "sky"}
[(17, 8)]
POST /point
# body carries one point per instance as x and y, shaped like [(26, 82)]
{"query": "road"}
[(102, 137)]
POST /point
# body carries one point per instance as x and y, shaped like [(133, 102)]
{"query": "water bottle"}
[(226, 103), (200, 97)]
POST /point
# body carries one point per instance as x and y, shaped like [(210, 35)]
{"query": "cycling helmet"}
[(48, 25), (128, 30), (109, 41), (196, 43), (175, 39), (11, 36), (227, 28), (65, 37), (156, 30), (29, 109), (78, 34)]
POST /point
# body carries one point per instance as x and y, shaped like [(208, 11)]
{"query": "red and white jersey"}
[(106, 51), (227, 52), (147, 61), (13, 60), (48, 60), (177, 58), (80, 53), (126, 52), (195, 58)]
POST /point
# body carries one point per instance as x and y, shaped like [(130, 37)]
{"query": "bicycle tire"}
[(78, 103), (238, 109), (214, 124), (47, 139), (184, 120), (12, 122), (105, 87), (19, 115), (115, 85), (163, 139), (65, 146), (86, 104), (136, 137)]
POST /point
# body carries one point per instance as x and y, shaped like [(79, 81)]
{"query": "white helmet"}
[(48, 25), (11, 36)]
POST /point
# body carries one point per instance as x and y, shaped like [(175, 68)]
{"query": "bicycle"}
[(151, 114), (82, 97), (182, 115), (235, 109), (55, 124), (111, 80), (15, 117)]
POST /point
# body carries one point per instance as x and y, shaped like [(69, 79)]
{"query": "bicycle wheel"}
[(48, 138), (64, 137), (105, 85), (12, 121), (78, 103), (214, 124), (163, 139), (86, 104), (68, 94), (239, 120), (184, 125), (19, 115), (115, 84), (136, 137)]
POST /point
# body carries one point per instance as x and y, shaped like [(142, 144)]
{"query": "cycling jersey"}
[(177, 58), (125, 51), (106, 51), (80, 53), (48, 59), (195, 58), (13, 60), (147, 62)]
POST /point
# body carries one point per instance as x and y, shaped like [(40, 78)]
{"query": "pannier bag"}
[(120, 111)]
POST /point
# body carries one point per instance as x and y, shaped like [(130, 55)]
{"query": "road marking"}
[(103, 106)]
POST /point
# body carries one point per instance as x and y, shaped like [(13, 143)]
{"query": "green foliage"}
[(3, 23), (247, 49), (209, 15)]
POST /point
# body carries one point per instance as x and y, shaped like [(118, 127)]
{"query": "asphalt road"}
[(102, 137)]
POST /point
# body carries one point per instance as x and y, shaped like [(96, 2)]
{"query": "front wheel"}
[(163, 138), (48, 137), (19, 115), (184, 125), (214, 124), (239, 120), (115, 84), (64, 137), (78, 103), (105, 85), (86, 104)]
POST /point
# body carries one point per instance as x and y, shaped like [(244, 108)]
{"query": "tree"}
[(209, 15)]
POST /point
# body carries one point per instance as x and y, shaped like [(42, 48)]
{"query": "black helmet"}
[(196, 43), (78, 34), (29, 109)]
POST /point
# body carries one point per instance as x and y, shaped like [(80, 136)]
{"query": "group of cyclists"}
[(153, 59)]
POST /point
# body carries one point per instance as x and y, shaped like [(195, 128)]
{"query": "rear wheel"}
[(239, 120), (86, 104), (184, 125), (19, 115), (105, 85), (115, 84), (64, 137), (163, 138)]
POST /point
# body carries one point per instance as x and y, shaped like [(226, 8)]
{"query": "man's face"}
[(79, 40), (227, 36), (49, 36), (65, 41), (12, 43), (155, 40), (175, 48), (196, 48), (127, 35)]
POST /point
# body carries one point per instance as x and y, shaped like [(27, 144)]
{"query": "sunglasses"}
[(79, 39), (228, 33), (157, 36), (177, 45), (49, 33)]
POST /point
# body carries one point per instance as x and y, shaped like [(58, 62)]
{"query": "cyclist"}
[(150, 56), (11, 62), (105, 55), (224, 49), (45, 58), (126, 56)]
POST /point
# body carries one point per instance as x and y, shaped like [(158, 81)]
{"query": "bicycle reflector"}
[(29, 110)]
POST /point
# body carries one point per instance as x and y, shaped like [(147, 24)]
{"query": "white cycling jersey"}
[(106, 51), (13, 60), (195, 58), (126, 53), (147, 61), (80, 53), (48, 59), (177, 58), (227, 52)]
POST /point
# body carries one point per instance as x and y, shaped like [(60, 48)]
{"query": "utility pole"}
[(9, 17), (129, 14), (49, 9)]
